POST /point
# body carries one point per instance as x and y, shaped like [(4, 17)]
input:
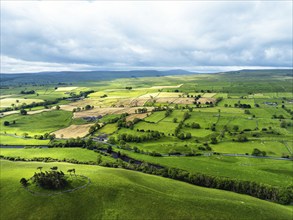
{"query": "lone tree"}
[(54, 168), (6, 123), (23, 112), (23, 182)]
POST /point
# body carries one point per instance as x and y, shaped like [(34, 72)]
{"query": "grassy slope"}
[(122, 194), (272, 172)]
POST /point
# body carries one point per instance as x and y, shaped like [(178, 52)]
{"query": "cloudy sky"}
[(197, 35)]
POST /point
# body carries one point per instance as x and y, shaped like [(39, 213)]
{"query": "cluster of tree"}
[(153, 135), (193, 125), (178, 128), (239, 105), (47, 160), (122, 123), (205, 147), (88, 107), (81, 94), (75, 142), (259, 153), (285, 124), (23, 112), (117, 118), (28, 92), (289, 111), (128, 87), (214, 140), (141, 110), (168, 112), (104, 96), (278, 116), (218, 100), (159, 108), (7, 123), (45, 136), (53, 179), (184, 136), (247, 112), (241, 138), (186, 116), (94, 128), (197, 97)]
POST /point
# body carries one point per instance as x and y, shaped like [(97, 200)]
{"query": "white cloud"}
[(103, 34)]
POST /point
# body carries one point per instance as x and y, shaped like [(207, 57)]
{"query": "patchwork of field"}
[(106, 111), (235, 126)]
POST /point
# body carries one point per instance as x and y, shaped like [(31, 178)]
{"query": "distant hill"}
[(83, 76), (265, 72), (71, 76)]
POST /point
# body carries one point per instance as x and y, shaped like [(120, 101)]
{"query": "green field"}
[(119, 194), (272, 172), (10, 140), (41, 123), (79, 154)]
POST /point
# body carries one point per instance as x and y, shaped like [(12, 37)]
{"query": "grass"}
[(272, 148), (9, 140), (79, 154), (272, 172), (155, 117), (108, 128), (123, 194), (41, 123)]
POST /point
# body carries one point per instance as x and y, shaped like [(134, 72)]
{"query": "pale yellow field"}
[(133, 116), (166, 87), (73, 131), (39, 111), (8, 113), (169, 94), (204, 100), (7, 102), (65, 89), (209, 95)]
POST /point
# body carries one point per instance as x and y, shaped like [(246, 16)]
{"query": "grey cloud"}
[(147, 34)]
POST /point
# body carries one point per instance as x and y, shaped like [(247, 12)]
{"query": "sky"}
[(201, 36)]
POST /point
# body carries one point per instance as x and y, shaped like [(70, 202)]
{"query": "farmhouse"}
[(271, 103)]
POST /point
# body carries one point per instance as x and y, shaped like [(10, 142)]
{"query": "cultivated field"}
[(73, 131)]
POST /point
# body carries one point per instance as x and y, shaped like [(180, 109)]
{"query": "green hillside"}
[(123, 194)]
